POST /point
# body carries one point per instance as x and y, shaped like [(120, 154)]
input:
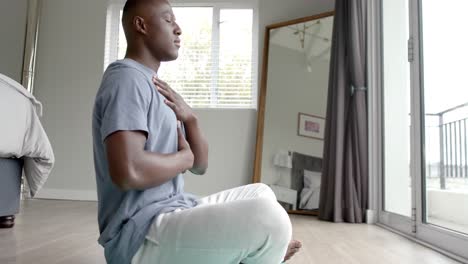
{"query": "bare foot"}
[(293, 248)]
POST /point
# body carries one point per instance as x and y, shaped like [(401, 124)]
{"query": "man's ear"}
[(140, 25)]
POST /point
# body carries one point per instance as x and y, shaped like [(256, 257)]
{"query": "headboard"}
[(301, 162)]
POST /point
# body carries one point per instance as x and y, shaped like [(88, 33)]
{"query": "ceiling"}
[(316, 42)]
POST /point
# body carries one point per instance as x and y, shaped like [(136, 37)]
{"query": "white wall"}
[(12, 31), (231, 136), (70, 63), (291, 89), (69, 70)]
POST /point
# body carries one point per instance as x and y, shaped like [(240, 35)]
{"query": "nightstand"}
[(285, 195)]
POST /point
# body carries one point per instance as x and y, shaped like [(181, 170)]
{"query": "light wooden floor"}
[(53, 232)]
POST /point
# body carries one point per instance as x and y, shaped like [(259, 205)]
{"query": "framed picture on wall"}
[(311, 126)]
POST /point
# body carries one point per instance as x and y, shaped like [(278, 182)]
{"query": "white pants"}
[(242, 225)]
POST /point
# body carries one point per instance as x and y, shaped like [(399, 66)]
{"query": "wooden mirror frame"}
[(262, 99)]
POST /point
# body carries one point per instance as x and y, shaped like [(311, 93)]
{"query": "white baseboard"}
[(63, 194), (371, 216)]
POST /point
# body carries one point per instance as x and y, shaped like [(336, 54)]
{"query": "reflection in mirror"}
[(294, 96)]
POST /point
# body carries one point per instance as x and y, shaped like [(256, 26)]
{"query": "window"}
[(217, 64)]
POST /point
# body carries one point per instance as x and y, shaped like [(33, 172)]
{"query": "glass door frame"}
[(445, 241), (400, 223), (449, 242)]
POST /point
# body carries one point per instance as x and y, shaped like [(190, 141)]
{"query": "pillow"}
[(312, 179)]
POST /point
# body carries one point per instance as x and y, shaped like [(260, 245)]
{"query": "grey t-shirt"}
[(127, 100)]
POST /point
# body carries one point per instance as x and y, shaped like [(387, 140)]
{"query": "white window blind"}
[(217, 64)]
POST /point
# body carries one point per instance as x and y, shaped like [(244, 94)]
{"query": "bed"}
[(306, 175), (10, 185)]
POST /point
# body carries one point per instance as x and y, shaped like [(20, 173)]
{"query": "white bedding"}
[(22, 135), (310, 194)]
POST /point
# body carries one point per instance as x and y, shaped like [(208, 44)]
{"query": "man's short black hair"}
[(128, 13), (129, 5)]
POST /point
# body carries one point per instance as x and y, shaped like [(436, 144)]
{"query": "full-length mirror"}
[(292, 111)]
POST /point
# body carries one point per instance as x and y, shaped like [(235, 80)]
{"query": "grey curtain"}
[(344, 191)]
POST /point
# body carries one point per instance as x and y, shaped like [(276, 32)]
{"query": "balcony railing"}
[(452, 147)]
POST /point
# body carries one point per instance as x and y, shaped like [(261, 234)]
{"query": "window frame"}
[(114, 8)]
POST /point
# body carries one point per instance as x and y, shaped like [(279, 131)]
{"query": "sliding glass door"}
[(396, 116), (443, 101), (425, 121), (445, 106)]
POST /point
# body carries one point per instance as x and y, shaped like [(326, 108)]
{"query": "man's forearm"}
[(131, 167), (153, 169), (198, 144)]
